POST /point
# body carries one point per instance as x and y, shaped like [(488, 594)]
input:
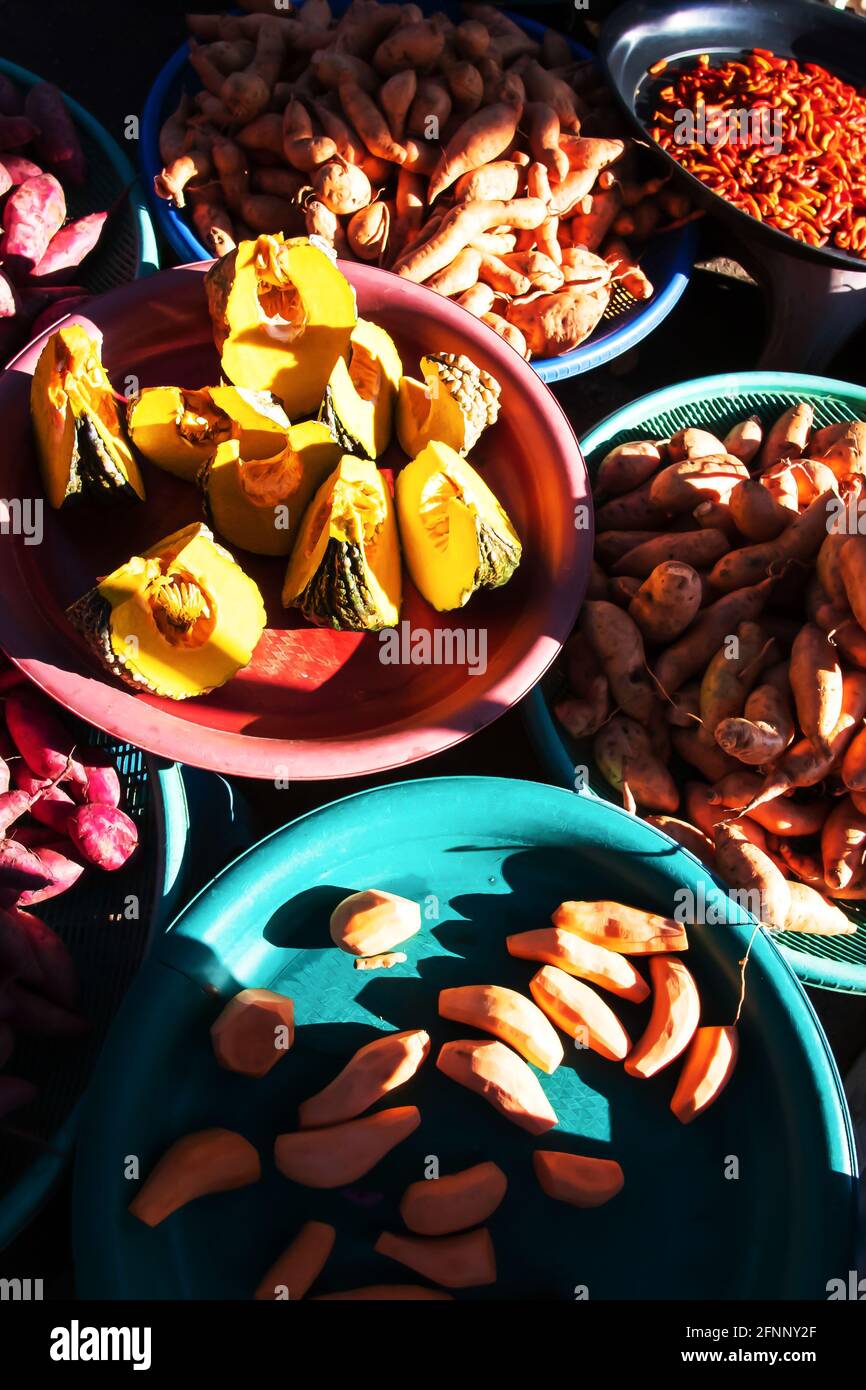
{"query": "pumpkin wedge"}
[(258, 503), (580, 1181), (300, 1264), (282, 315), (510, 1016), (80, 434), (178, 621), (579, 1012), (342, 1154), (358, 406), (375, 1069), (440, 1206), (344, 571), (577, 956), (628, 930), (502, 1078), (179, 430), (211, 1160), (455, 403), (456, 537), (465, 1261), (674, 1018), (707, 1069)]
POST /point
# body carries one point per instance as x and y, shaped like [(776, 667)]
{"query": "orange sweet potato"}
[(374, 1070), (674, 1018), (440, 1206), (577, 956), (579, 1012), (502, 1078), (707, 1069), (210, 1160), (628, 930), (373, 921), (300, 1264), (464, 1261), (340, 1154), (508, 1015), (580, 1181), (254, 1031)]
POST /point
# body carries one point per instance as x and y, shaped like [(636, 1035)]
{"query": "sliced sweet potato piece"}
[(255, 1029), (673, 1021), (628, 930), (375, 1069), (502, 1078), (465, 1261), (342, 1154), (373, 921), (579, 1012), (708, 1068), (577, 956), (300, 1264), (210, 1160), (583, 1182), (510, 1016), (439, 1206)]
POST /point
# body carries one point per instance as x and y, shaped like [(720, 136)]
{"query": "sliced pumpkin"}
[(80, 435), (282, 315), (179, 430), (455, 403), (259, 503), (178, 621), (456, 537), (358, 407), (344, 570)]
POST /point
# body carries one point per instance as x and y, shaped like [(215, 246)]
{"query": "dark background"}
[(106, 56)]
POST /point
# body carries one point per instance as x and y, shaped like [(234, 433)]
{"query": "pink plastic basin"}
[(313, 703)]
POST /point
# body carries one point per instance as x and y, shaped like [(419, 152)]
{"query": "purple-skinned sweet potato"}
[(5, 180), (15, 132), (21, 872), (9, 302), (32, 215), (30, 1012), (102, 784), (11, 98), (41, 739), (49, 805), (103, 835), (57, 143), (59, 868), (59, 978), (19, 168), (69, 246)]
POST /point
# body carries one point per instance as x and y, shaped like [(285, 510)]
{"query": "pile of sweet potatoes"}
[(59, 813), (719, 664), (40, 154), (467, 157)]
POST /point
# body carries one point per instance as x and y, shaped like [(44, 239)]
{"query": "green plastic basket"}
[(716, 402)]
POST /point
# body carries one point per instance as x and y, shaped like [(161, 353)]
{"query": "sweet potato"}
[(368, 231), (854, 763), (509, 1016), (373, 1071), (803, 765), (57, 143), (783, 816), (629, 930), (788, 437), (744, 439), (19, 169), (730, 675), (847, 454), (691, 652), (32, 214), (501, 179), (544, 133), (684, 483), (799, 542), (579, 1012), (582, 1182), (676, 1009), (666, 601), (698, 549), (626, 467), (852, 565), (396, 97), (478, 300), (431, 109), (409, 46), (757, 514), (706, 1071), (582, 958), (365, 116), (501, 277), (502, 1078), (57, 977), (767, 726), (211, 1160), (480, 139), (816, 683), (512, 336), (300, 1264), (809, 911), (459, 1261), (341, 1154), (441, 1206), (617, 641), (556, 323), (459, 227), (170, 184), (843, 844), (687, 835), (750, 871), (709, 760)]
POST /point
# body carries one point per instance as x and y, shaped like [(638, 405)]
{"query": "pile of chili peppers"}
[(783, 141)]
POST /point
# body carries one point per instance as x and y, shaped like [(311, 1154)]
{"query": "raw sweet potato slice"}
[(502, 1078), (342, 1154), (583, 1182), (300, 1264), (439, 1206), (387, 1293), (255, 1029), (374, 1070), (674, 1018), (465, 1261), (510, 1016), (708, 1068), (210, 1160), (373, 921), (579, 1012), (629, 930), (577, 956)]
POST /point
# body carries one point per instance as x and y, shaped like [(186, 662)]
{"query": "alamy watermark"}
[(22, 516), (758, 127), (462, 646)]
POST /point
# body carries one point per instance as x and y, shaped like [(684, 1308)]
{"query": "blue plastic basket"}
[(483, 857), (716, 403), (667, 260)]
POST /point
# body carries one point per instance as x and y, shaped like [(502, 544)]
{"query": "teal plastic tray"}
[(717, 403), (483, 857)]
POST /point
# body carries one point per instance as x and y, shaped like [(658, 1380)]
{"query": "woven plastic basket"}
[(716, 402)]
